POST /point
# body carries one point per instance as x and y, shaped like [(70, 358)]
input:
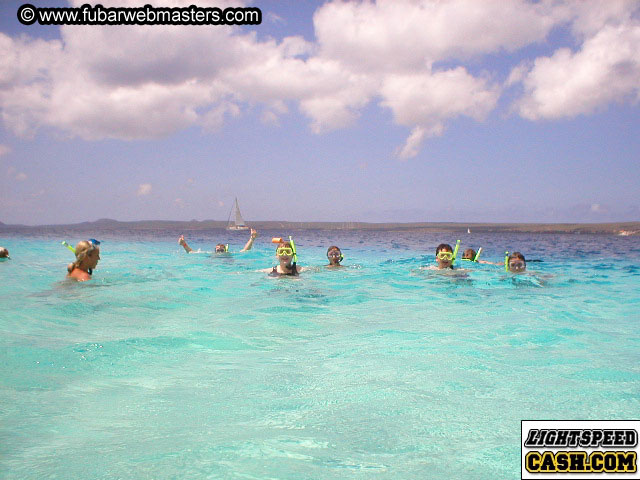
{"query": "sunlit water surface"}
[(168, 365)]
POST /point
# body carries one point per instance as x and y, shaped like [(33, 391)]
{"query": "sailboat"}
[(238, 222)]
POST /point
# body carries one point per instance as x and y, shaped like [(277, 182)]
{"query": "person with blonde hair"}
[(87, 256)]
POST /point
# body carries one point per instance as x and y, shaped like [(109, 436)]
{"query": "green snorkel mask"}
[(455, 253)]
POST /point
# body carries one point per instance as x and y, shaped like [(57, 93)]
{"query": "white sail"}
[(238, 223)]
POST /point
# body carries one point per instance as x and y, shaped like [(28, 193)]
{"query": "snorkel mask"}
[(518, 266), (443, 255), (220, 248), (335, 253), (94, 243), (286, 250)]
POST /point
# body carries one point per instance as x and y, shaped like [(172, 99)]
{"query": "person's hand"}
[(254, 233)]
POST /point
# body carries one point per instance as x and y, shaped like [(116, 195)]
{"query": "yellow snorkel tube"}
[(73, 250), (455, 253), (475, 259), (293, 247), (506, 261)]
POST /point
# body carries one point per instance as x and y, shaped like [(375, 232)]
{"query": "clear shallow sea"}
[(168, 365)]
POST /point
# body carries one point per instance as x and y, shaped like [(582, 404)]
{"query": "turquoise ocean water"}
[(168, 365)]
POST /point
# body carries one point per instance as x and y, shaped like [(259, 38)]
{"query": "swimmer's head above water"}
[(515, 263), (222, 248), (87, 256), (334, 254), (284, 252), (469, 254), (4, 253), (444, 256)]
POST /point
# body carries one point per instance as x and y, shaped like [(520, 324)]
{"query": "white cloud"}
[(150, 81), (4, 149), (587, 20), (426, 101), (410, 35), (144, 189), (412, 145), (213, 120), (604, 70)]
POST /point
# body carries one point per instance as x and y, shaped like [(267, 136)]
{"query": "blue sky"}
[(390, 111)]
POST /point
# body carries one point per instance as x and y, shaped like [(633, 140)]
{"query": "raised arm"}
[(249, 244), (184, 244)]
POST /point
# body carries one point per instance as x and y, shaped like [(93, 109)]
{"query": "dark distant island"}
[(616, 228)]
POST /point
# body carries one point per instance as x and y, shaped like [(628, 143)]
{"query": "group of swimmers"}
[(446, 256), (87, 254)]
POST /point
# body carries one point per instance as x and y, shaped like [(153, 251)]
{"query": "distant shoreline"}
[(614, 228)]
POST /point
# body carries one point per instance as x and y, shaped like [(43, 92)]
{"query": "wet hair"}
[(83, 249), (333, 247), (444, 246), (517, 255), (224, 248), (4, 253), (469, 253)]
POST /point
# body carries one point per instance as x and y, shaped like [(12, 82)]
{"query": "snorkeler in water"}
[(470, 255), (446, 256), (221, 247), (515, 262), (287, 259), (334, 254), (87, 254), (4, 253)]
